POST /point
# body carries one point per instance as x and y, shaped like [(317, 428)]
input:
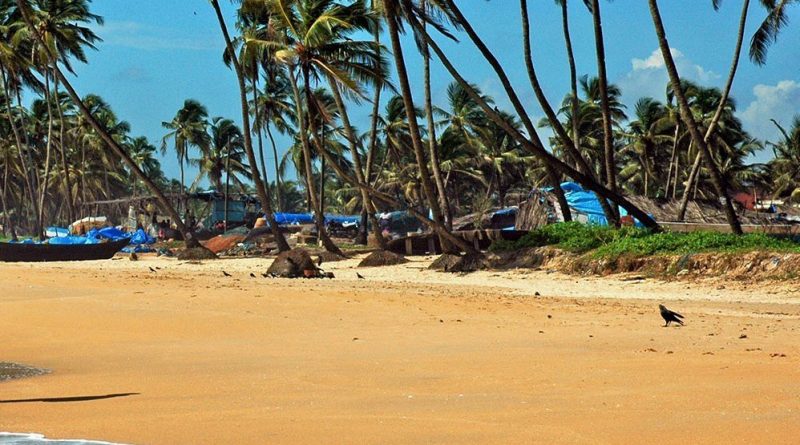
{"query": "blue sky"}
[(157, 53)]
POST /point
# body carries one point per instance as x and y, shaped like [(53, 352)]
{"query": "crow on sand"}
[(360, 277), (226, 273), (152, 270), (252, 275), (670, 316)]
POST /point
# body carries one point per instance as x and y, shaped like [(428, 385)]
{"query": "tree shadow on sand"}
[(72, 399)]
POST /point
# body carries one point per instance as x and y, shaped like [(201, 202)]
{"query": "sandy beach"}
[(185, 355)]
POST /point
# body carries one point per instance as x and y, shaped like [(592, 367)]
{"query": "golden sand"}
[(406, 356)]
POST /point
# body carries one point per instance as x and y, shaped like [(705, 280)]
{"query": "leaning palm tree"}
[(717, 179), (261, 189), (27, 15)]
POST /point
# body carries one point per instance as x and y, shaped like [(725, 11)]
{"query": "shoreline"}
[(406, 355)]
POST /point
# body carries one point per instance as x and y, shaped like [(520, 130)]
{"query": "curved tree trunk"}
[(263, 193), (533, 144), (48, 151), (366, 202), (672, 157), (165, 205), (413, 126), (693, 174), (432, 142), (257, 123), (314, 203), (278, 180), (608, 135), (720, 185), (28, 186)]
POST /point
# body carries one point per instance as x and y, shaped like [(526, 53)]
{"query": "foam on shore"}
[(38, 439)]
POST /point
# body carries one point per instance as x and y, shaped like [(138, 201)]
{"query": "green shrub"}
[(608, 242)]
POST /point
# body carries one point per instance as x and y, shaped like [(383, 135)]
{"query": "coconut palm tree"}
[(188, 129), (224, 154), (261, 189), (786, 164), (716, 177), (27, 14)]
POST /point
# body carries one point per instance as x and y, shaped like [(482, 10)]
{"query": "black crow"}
[(152, 270), (670, 316), (359, 276), (252, 275), (226, 273)]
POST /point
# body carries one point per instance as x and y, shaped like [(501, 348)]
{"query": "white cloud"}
[(140, 36), (648, 76), (780, 102)]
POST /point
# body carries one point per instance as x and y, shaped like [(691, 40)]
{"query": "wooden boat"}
[(13, 252)]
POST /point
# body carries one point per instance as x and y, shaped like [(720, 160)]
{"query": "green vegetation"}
[(606, 242)]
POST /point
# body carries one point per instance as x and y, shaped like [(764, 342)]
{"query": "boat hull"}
[(11, 252)]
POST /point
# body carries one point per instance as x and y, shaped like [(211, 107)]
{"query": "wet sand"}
[(186, 355)]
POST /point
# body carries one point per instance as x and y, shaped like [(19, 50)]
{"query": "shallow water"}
[(38, 439)]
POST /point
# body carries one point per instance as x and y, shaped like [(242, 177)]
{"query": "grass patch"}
[(607, 242)]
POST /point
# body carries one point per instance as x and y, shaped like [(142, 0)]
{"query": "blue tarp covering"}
[(110, 233), (293, 218), (586, 203), (308, 218)]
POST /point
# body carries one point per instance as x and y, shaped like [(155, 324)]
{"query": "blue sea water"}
[(38, 439)]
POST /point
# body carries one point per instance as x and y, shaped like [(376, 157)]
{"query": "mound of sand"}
[(196, 254), (292, 264), (330, 257), (457, 263), (382, 258)]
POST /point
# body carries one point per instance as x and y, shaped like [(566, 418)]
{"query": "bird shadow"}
[(72, 399)]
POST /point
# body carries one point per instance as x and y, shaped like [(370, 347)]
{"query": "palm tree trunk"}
[(29, 187), (413, 126), (717, 179), (432, 142), (9, 221), (672, 158), (278, 180), (366, 202), (534, 145), (263, 193), (119, 151), (48, 150), (258, 123), (63, 150), (608, 135), (305, 122), (693, 174), (436, 226)]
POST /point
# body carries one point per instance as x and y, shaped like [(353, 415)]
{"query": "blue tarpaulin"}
[(308, 218), (94, 236), (584, 202)]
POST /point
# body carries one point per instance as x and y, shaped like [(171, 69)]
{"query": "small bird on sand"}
[(360, 277), (252, 275), (133, 256), (152, 270), (226, 273), (670, 316), (319, 260)]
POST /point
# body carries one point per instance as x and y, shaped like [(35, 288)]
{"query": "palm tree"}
[(532, 142), (610, 167), (225, 153), (142, 152), (187, 129), (261, 189), (786, 164), (716, 177), (394, 12), (768, 31), (27, 14)]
